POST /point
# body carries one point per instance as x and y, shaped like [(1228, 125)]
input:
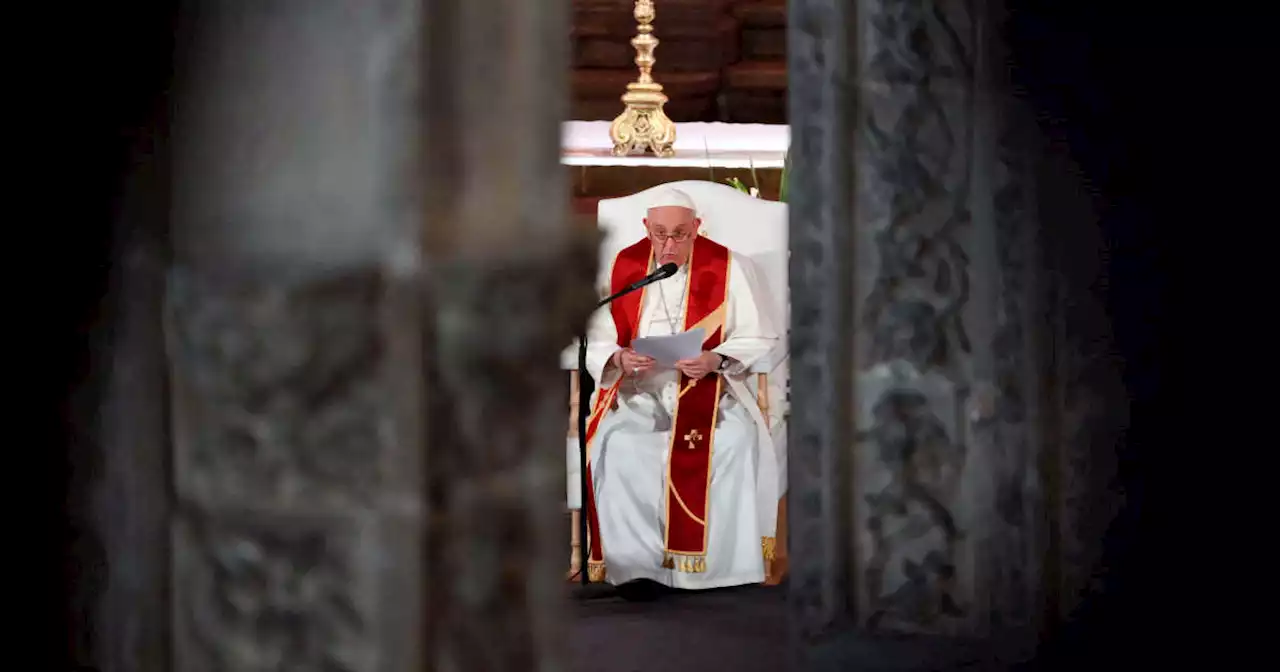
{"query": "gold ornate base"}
[(643, 126)]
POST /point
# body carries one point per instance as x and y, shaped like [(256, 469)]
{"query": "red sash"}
[(688, 483)]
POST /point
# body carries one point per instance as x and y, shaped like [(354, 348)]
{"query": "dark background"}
[(1161, 108)]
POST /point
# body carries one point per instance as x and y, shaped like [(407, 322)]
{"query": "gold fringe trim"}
[(769, 547), (596, 572), (686, 564)]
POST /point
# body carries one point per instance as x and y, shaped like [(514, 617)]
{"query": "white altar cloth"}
[(698, 144)]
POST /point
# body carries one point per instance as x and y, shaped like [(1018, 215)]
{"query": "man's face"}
[(672, 230)]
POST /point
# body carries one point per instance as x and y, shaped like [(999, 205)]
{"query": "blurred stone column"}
[(294, 335), (374, 274), (508, 285)]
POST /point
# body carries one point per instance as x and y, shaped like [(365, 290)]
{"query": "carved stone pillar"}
[(950, 499), (509, 282), (293, 334), (346, 287), (960, 495), (915, 355), (822, 299)]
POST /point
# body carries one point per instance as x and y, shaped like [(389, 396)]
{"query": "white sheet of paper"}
[(670, 349)]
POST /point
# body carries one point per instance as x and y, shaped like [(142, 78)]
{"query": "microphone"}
[(664, 271)]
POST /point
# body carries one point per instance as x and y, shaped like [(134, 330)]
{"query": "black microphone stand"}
[(588, 590)]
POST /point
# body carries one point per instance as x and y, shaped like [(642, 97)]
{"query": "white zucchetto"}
[(672, 197)]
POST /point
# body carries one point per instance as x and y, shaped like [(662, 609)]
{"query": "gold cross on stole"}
[(692, 437)]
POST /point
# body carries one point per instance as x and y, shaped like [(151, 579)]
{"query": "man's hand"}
[(633, 363), (698, 367)]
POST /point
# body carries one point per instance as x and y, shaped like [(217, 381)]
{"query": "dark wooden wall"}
[(719, 60)]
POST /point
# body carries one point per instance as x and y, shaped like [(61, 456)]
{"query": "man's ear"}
[(697, 223)]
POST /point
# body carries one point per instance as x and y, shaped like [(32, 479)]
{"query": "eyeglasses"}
[(678, 236)]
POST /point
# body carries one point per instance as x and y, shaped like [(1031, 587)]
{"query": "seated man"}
[(675, 456)]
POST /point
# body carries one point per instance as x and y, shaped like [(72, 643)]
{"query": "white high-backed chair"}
[(749, 226)]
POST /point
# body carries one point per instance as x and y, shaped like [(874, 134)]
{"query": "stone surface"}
[(495, 486), (963, 496), (822, 328), (286, 387), (264, 593), (292, 307), (293, 484), (910, 41), (510, 278), (914, 235)]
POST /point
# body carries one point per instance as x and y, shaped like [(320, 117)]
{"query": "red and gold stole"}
[(688, 486)]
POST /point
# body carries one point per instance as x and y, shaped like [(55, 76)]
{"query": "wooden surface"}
[(591, 183), (701, 43)]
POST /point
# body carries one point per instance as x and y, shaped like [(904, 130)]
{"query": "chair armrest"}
[(767, 363)]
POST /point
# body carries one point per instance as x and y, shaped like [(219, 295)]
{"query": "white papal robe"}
[(632, 445)]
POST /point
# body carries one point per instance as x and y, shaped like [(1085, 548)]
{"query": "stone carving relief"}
[(914, 368), (491, 361), (269, 598), (914, 41), (278, 390), (910, 574), (282, 423)]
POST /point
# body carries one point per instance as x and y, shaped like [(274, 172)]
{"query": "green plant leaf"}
[(737, 184)]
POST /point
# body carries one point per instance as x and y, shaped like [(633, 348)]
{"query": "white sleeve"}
[(749, 328)]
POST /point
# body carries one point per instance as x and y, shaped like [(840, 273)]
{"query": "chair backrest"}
[(752, 227)]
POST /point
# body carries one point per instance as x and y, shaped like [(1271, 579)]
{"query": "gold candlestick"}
[(643, 126)]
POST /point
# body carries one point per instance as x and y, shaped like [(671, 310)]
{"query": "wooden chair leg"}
[(575, 565), (575, 562), (778, 569)]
